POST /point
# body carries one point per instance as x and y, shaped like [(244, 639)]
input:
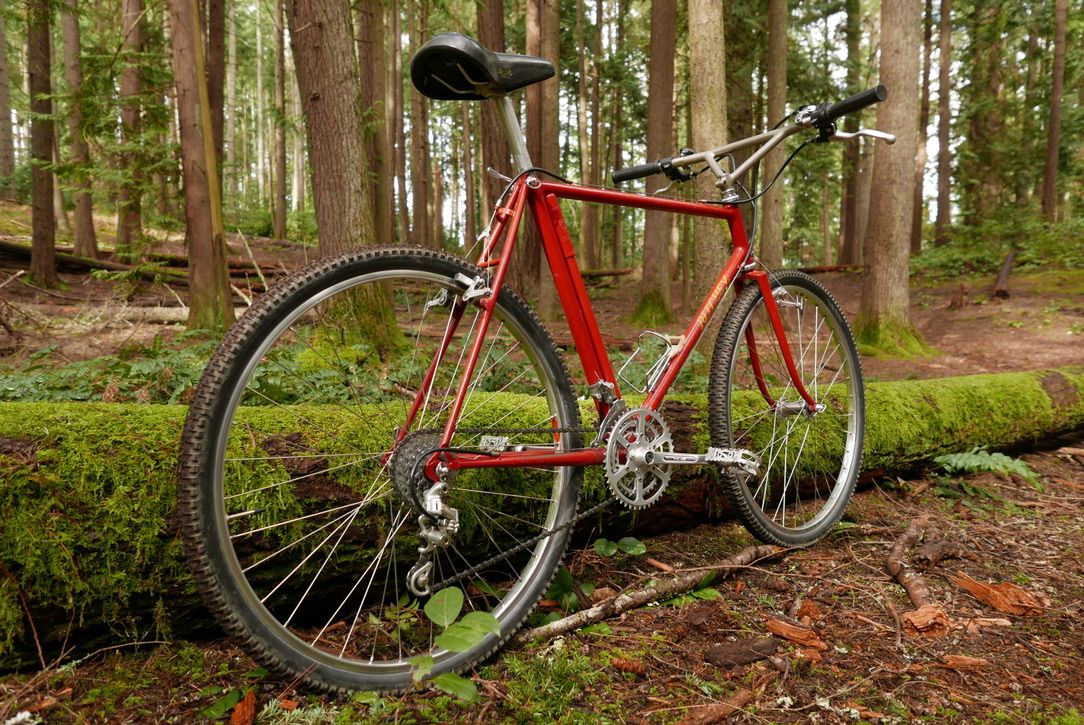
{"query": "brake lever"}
[(888, 138)]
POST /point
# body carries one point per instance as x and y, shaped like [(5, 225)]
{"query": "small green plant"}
[(627, 545), (979, 460), (458, 635)]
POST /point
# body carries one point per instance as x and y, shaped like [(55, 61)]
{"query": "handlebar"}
[(820, 117), (637, 172)]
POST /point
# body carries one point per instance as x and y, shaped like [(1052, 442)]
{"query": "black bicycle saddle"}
[(452, 66)]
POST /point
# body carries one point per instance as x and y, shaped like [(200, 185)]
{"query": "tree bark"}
[(398, 112), (655, 286), (944, 126), (230, 173), (853, 240), (261, 133), (421, 176), (495, 153), (278, 132), (919, 208), (707, 75), (771, 227), (884, 307), (129, 202), (372, 59), (7, 139), (210, 304), (330, 91), (1053, 133), (86, 244), (216, 76), (43, 223)]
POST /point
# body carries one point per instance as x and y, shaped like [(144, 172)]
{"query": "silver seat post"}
[(514, 132)]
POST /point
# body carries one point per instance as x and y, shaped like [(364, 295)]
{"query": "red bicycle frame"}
[(543, 198)]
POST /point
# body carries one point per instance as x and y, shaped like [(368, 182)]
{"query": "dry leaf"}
[(245, 711), (742, 652), (962, 662), (808, 609), (929, 620), (707, 714), (1005, 597), (799, 635), (288, 704), (975, 626), (864, 712), (810, 654)]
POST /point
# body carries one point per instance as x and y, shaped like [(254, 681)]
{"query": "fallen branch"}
[(685, 582), (911, 581)]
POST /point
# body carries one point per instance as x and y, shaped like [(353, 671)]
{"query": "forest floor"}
[(837, 626)]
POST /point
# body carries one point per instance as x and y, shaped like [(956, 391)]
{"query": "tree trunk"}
[(982, 171), (210, 303), (129, 202), (707, 76), (909, 422), (43, 223), (7, 139), (216, 76), (86, 243), (261, 134), (372, 60), (1053, 132), (398, 112), (330, 90), (278, 167), (851, 249), (884, 318), (944, 126), (527, 263), (771, 227), (229, 170), (470, 225), (421, 176), (495, 153), (655, 304), (918, 212)]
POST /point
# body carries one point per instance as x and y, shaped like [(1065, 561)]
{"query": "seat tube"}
[(514, 132)]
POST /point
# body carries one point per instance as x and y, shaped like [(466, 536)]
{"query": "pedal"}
[(747, 461)]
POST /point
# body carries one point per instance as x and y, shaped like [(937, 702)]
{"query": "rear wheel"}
[(809, 461), (301, 528)]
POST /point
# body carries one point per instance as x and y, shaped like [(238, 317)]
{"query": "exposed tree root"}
[(684, 582)]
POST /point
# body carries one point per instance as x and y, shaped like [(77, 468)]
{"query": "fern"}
[(979, 460)]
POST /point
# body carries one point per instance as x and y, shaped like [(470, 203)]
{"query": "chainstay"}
[(522, 546)]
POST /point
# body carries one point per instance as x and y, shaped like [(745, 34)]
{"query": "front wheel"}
[(809, 461), (299, 488)]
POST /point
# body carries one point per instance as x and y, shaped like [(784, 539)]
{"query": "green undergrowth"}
[(87, 489), (652, 311)]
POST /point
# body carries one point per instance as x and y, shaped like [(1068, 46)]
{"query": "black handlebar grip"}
[(856, 102), (636, 172)]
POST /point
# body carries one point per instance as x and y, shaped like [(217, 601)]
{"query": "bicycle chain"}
[(522, 546)]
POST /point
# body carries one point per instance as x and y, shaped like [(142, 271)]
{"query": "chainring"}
[(635, 475)]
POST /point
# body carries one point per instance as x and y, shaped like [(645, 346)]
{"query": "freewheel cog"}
[(408, 477), (634, 470)]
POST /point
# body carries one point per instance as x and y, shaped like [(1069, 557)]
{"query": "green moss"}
[(87, 489), (889, 339), (652, 311)]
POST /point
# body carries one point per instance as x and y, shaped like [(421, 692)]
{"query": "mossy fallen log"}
[(88, 551)]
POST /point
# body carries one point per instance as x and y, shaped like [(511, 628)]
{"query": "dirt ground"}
[(824, 633)]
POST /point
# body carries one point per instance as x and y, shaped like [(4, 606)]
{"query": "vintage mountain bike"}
[(382, 463)]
